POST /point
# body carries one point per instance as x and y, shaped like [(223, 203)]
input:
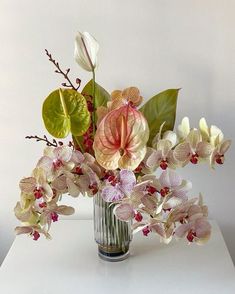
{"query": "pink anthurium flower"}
[(121, 138)]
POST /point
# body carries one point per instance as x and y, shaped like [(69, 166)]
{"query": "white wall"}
[(154, 45)]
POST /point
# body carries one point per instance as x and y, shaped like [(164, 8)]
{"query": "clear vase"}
[(112, 236)]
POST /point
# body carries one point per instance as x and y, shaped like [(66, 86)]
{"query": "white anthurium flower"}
[(86, 49), (184, 128), (193, 149)]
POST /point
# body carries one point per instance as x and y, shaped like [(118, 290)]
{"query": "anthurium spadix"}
[(121, 138), (85, 52)]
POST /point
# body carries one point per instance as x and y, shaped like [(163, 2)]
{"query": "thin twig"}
[(54, 143), (63, 73)]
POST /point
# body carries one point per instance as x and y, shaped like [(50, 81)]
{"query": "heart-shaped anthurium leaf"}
[(65, 111), (101, 95), (159, 109)]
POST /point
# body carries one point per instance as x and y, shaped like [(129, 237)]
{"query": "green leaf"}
[(160, 108), (65, 111), (101, 95)]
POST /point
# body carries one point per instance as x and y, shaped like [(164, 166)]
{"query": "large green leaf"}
[(101, 95), (160, 108), (65, 111)]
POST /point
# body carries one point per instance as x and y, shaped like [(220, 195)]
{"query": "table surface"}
[(69, 264)]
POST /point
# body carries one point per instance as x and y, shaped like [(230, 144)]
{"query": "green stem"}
[(94, 101), (79, 144)]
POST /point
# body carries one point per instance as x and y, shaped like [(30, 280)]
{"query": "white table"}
[(69, 264)]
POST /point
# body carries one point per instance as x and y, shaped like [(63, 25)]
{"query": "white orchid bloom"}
[(184, 128), (86, 49), (193, 148), (216, 138), (210, 134)]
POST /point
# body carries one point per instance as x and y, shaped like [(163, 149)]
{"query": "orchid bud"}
[(86, 49)]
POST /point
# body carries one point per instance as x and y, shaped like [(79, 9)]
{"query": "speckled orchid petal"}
[(124, 212), (120, 140), (111, 193), (127, 181)]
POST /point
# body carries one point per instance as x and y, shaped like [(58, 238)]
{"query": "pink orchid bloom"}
[(198, 230), (37, 185), (33, 231), (51, 211), (192, 149), (121, 138), (56, 160), (217, 155), (174, 188), (122, 187)]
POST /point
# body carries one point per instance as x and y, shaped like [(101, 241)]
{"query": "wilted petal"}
[(124, 212), (111, 193)]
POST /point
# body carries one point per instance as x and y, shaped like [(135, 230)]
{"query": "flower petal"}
[(124, 212), (111, 193)]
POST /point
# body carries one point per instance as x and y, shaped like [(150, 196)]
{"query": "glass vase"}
[(112, 235)]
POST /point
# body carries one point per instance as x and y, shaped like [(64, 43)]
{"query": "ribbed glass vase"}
[(112, 236)]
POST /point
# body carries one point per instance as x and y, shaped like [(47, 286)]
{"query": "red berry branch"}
[(63, 73)]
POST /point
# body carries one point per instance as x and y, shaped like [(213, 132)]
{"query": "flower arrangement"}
[(117, 143)]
